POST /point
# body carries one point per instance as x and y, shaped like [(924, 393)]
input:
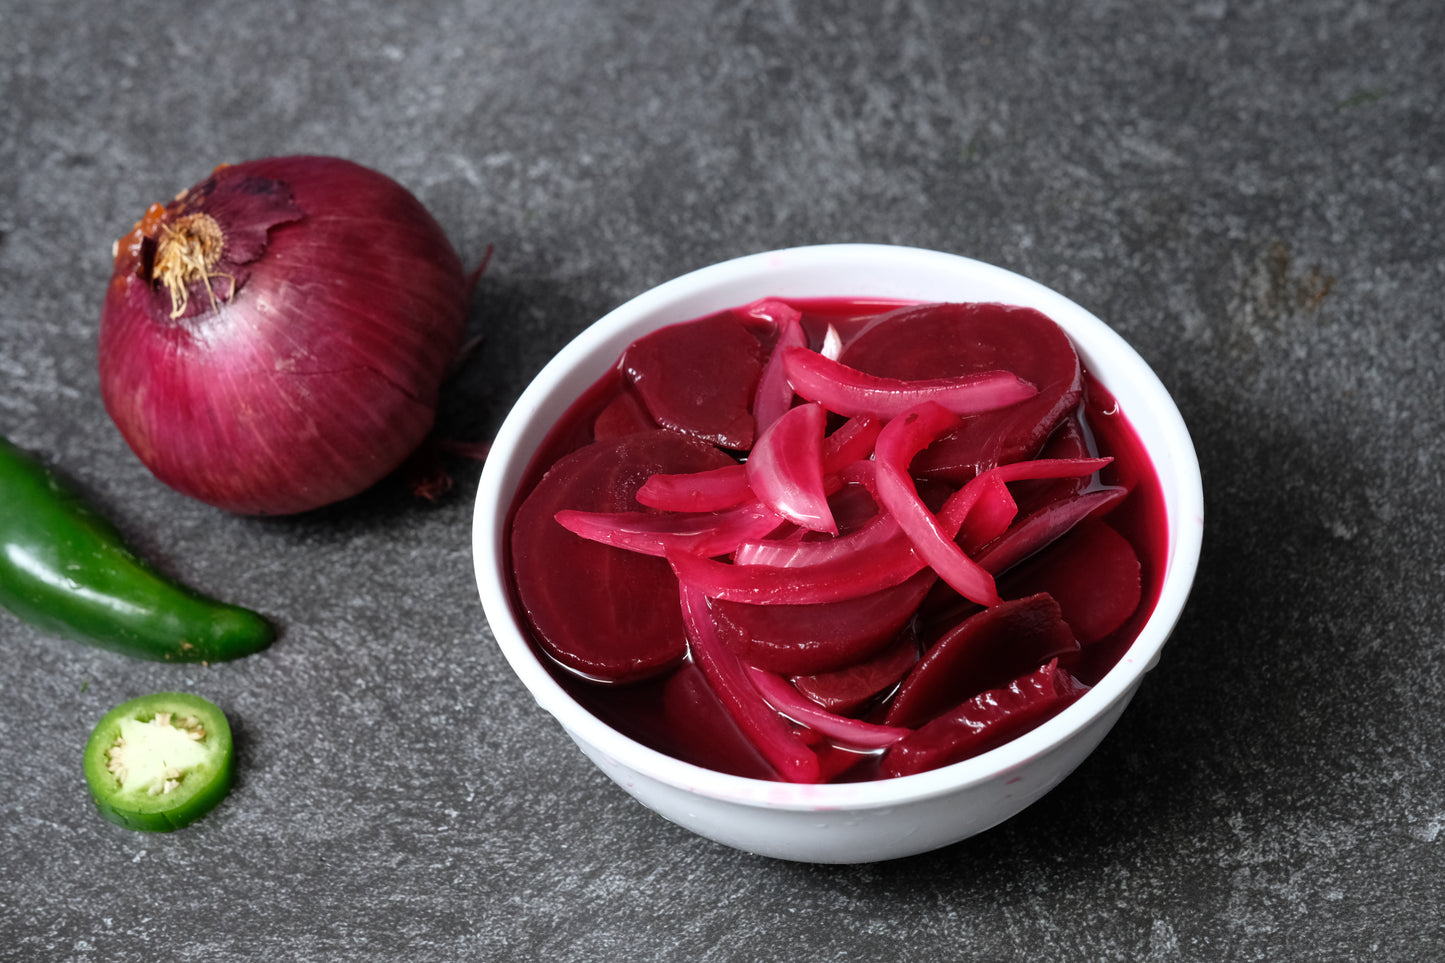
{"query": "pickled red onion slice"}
[(702, 491), (990, 515), (879, 554), (898, 442), (841, 729), (785, 468), (649, 533), (847, 577), (852, 442), (803, 553), (775, 395), (778, 742), (976, 512), (1044, 526), (848, 391), (720, 488)]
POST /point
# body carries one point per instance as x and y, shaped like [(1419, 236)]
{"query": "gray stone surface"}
[(1250, 191)]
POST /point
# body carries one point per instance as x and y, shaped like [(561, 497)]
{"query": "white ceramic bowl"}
[(857, 822)]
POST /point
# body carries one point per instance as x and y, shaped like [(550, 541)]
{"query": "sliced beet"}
[(952, 340), (985, 722), (1094, 574), (985, 651), (650, 709), (853, 507), (700, 378), (808, 639), (623, 416), (852, 687), (601, 611)]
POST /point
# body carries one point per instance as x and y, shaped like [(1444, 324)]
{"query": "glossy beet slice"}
[(1094, 574), (700, 378), (983, 652), (808, 639), (601, 611), (952, 340), (623, 416), (850, 688), (985, 722), (710, 739)]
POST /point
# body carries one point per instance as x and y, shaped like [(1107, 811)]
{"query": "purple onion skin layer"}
[(309, 368)]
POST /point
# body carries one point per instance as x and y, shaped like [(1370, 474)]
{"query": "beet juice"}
[(834, 539)]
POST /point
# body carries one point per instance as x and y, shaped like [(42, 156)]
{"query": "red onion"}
[(842, 729), (785, 468), (274, 338), (780, 744)]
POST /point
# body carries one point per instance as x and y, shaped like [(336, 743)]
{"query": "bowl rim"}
[(690, 292)]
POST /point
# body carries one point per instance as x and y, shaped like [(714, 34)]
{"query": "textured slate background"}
[(1250, 191)]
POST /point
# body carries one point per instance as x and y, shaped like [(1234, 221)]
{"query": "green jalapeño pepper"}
[(65, 569), (159, 762)]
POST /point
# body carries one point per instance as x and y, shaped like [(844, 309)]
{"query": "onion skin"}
[(307, 366)]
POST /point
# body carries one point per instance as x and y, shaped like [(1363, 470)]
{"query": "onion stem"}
[(188, 252)]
